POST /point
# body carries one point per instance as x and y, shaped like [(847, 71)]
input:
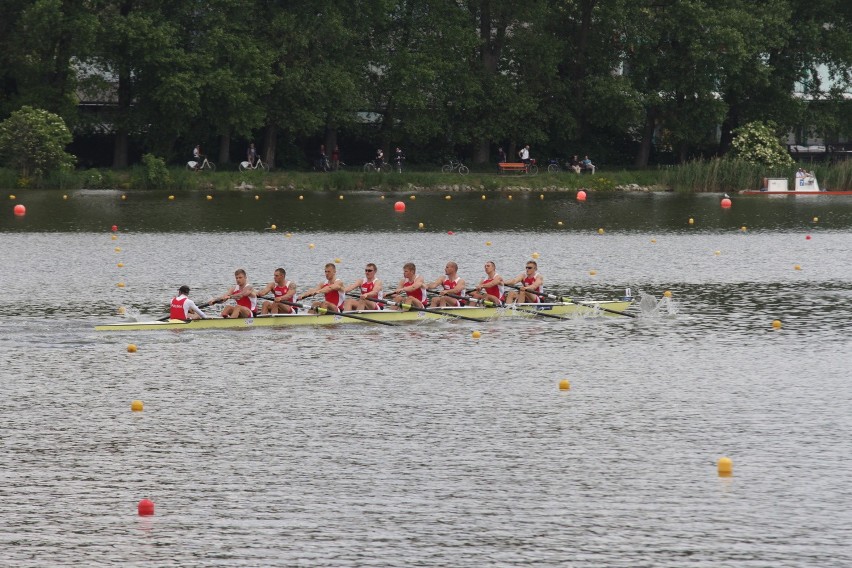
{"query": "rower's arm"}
[(193, 308), (291, 293), (374, 293), (459, 287), (266, 289), (356, 284)]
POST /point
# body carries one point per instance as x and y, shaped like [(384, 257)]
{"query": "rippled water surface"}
[(363, 445)]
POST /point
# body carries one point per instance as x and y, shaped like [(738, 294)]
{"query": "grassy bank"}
[(716, 175)]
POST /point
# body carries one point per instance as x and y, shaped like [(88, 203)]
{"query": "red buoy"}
[(807, 238), (146, 508), (581, 195), (399, 206), (450, 233), (20, 210), (726, 203), (114, 228)]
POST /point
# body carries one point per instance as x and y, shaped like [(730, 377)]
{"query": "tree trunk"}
[(492, 38), (225, 149), (647, 137), (119, 156), (270, 139), (330, 139), (482, 152)]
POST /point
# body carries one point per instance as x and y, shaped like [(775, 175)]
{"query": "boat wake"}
[(651, 307)]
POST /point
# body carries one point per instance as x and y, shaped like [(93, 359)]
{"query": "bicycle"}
[(206, 164), (455, 165), (372, 167), (553, 167), (258, 165)]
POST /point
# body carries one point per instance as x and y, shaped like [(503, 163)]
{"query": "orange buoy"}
[(726, 203), (581, 195), (399, 206), (20, 210)]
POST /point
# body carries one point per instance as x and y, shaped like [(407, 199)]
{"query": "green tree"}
[(33, 142)]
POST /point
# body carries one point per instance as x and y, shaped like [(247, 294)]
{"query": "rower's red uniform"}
[(528, 282), (366, 288), (245, 301), (280, 291), (176, 311), (335, 297), (449, 285), (497, 290), (419, 295)]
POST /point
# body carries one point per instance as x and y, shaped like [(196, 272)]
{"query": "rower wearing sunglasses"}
[(371, 290), (529, 280)]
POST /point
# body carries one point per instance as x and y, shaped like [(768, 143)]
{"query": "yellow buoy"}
[(776, 324), (136, 406), (120, 265), (717, 252), (420, 225), (448, 197), (725, 467), (476, 334), (131, 348), (797, 267), (381, 197), (209, 197), (535, 255), (273, 227), (64, 197), (257, 198), (488, 243), (288, 235), (123, 197), (510, 197), (336, 261), (691, 221), (412, 197), (816, 219), (601, 231), (120, 284), (559, 223), (301, 197), (171, 198), (11, 196), (340, 197), (667, 294), (564, 385), (117, 249), (113, 237), (121, 310), (541, 196), (483, 197), (312, 245), (743, 228), (653, 240), (593, 272)]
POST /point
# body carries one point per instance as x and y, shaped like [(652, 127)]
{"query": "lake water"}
[(420, 446)]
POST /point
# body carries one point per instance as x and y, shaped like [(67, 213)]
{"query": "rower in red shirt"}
[(450, 283), (243, 293), (184, 309), (491, 288), (282, 289), (332, 290), (371, 290), (529, 280), (412, 286)]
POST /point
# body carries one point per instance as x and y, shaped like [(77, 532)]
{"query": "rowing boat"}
[(592, 308)]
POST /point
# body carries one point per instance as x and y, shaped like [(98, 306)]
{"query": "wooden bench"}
[(518, 167)]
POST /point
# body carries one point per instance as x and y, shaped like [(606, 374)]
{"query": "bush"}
[(756, 143), (154, 174), (33, 141)]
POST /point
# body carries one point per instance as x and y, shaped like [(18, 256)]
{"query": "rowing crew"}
[(411, 292)]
